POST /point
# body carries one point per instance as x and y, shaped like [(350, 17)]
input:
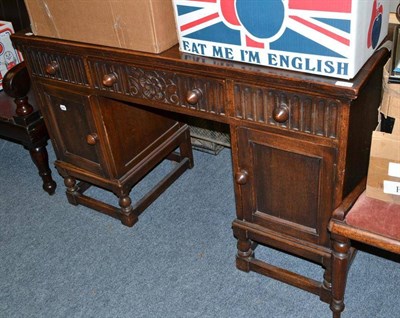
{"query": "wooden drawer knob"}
[(91, 139), (194, 96), (241, 177), (281, 113), (52, 68), (110, 79)]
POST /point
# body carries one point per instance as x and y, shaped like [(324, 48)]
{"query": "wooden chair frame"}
[(22, 123), (342, 253)]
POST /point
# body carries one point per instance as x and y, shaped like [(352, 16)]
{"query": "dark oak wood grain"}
[(100, 141), (300, 143)]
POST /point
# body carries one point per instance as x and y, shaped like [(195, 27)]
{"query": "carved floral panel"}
[(161, 86)]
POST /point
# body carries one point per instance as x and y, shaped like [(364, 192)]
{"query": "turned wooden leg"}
[(40, 158), (72, 189), (340, 262), (186, 149), (327, 282), (326, 288), (244, 251), (128, 216)]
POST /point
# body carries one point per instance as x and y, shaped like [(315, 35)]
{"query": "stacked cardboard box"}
[(141, 25), (384, 168)]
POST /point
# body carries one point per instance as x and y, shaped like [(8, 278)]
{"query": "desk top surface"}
[(178, 61)]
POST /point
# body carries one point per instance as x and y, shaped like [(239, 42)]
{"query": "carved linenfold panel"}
[(160, 86), (310, 114), (70, 68)]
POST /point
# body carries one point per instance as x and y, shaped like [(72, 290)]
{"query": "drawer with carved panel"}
[(175, 89), (306, 113), (62, 67)]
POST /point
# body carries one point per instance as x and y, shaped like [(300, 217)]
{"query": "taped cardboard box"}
[(383, 180), (9, 56), (384, 168), (143, 25), (331, 38), (390, 105)]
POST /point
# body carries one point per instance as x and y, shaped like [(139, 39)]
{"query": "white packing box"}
[(331, 38), (383, 182)]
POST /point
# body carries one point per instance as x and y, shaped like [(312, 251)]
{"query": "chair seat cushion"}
[(376, 216), (7, 108)]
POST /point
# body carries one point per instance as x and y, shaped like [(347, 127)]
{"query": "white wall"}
[(393, 5)]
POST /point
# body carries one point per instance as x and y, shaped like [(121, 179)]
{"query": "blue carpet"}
[(59, 260)]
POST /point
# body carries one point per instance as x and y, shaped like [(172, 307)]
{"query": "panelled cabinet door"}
[(73, 131), (286, 184), (129, 132)]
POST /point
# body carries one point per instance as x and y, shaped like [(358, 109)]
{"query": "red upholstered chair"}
[(366, 220)]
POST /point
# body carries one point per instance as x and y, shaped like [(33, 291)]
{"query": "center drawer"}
[(196, 93)]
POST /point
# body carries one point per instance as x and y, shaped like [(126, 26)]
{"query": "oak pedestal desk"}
[(300, 143)]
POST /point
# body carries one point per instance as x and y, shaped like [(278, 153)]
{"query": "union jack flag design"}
[(319, 28)]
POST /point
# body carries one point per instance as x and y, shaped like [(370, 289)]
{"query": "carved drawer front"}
[(62, 67), (197, 93), (288, 110)]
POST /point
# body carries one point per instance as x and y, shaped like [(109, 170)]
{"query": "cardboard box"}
[(143, 25), (9, 57), (331, 38), (390, 105), (383, 180)]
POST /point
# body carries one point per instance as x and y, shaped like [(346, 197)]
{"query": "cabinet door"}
[(130, 132), (72, 128), (287, 184)]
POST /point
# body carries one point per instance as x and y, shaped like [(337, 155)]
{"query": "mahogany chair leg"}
[(340, 263), (40, 158), (28, 127)]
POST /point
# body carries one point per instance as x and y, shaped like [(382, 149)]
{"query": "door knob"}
[(241, 177), (52, 68), (110, 79), (194, 96), (91, 139), (281, 113)]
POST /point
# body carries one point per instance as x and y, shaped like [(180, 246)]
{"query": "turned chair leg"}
[(340, 262), (16, 84), (40, 158)]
